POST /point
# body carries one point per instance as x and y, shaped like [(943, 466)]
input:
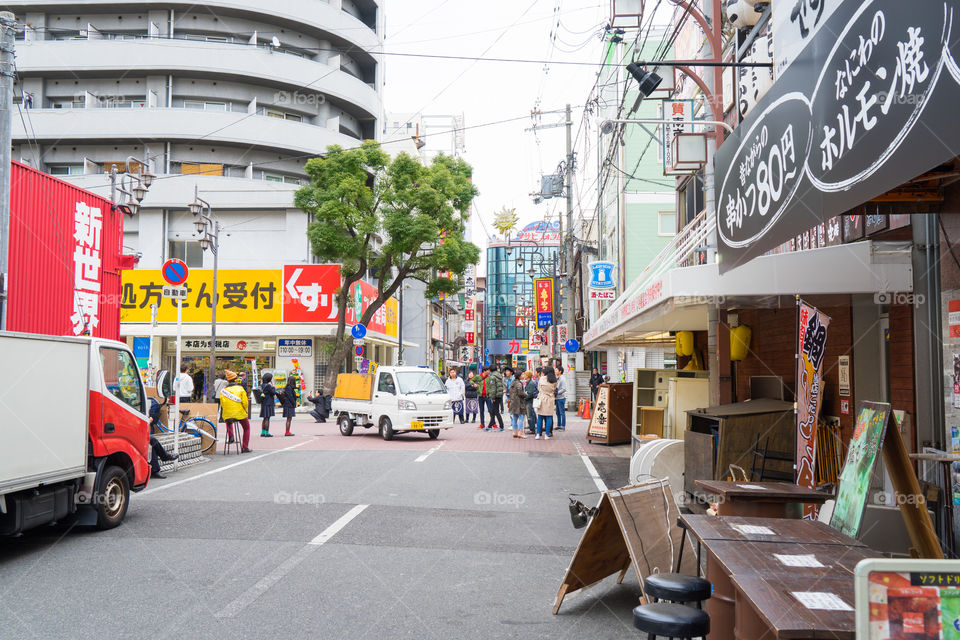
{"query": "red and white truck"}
[(74, 430)]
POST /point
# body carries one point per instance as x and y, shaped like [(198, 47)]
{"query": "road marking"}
[(592, 470), (213, 471), (250, 596), (427, 454)]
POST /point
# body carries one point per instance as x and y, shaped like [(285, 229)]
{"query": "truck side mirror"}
[(163, 383)]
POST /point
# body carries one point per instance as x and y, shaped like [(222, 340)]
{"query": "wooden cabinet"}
[(717, 437), (652, 389), (612, 414)]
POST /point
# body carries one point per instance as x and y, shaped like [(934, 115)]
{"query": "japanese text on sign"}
[(88, 225)]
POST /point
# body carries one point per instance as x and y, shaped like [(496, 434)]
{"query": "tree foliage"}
[(396, 218)]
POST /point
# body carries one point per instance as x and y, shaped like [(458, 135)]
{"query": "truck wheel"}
[(113, 499), (433, 433), (386, 428), (346, 425)]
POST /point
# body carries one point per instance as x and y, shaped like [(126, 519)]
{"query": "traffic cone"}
[(580, 408), (586, 410)]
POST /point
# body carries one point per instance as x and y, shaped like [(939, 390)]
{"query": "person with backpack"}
[(495, 389), (235, 406), (288, 400), (266, 398), (472, 403)]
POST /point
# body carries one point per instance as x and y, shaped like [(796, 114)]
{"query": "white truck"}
[(74, 434), (393, 399)]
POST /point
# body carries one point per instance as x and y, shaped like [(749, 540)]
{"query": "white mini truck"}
[(393, 399)]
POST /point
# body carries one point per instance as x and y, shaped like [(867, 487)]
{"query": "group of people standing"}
[(534, 397), (230, 391)]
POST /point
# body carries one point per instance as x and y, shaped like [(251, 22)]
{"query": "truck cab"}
[(394, 400)]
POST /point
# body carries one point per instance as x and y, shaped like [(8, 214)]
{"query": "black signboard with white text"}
[(871, 103)]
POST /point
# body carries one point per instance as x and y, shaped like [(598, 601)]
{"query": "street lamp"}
[(129, 188), (209, 230)]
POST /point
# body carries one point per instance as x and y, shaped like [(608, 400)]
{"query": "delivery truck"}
[(394, 400), (74, 435)]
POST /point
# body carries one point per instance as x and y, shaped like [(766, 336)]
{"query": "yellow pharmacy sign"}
[(245, 295)]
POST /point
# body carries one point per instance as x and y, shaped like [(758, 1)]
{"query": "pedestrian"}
[(317, 412), (288, 400), (470, 393), (530, 387), (198, 379), (266, 398), (456, 389), (184, 385), (158, 453), (561, 399), (481, 382), (546, 403), (517, 403), (495, 388), (218, 384), (236, 408), (595, 381)]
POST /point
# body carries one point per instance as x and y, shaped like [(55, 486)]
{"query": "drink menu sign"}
[(865, 107)]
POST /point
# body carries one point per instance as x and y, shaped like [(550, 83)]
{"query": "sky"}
[(507, 160)]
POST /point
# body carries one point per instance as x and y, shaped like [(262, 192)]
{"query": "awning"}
[(679, 299)]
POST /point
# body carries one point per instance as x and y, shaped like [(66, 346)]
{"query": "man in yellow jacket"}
[(235, 408)]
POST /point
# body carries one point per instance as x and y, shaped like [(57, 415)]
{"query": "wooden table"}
[(760, 499), (744, 547), (767, 609)]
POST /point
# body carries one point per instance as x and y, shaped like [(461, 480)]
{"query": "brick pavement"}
[(326, 436)]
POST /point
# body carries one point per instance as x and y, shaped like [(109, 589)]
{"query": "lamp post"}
[(129, 188), (546, 267), (209, 230)]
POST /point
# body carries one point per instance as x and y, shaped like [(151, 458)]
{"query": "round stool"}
[(671, 620), (233, 437), (676, 587)]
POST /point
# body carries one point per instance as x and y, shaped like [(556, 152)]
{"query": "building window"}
[(271, 113), (66, 170), (196, 168), (189, 252), (666, 223), (204, 105)]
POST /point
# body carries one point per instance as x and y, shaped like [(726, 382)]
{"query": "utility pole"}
[(400, 329), (568, 242), (7, 27)]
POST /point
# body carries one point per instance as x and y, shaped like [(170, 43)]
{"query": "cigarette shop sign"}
[(866, 106)]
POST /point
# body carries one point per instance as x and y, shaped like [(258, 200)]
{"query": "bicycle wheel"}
[(203, 429)]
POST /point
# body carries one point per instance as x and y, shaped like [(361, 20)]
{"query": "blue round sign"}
[(358, 350), (359, 331), (174, 271), (571, 345)]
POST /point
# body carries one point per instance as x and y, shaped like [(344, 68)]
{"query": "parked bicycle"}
[(196, 427)]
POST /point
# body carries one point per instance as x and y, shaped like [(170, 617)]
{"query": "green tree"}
[(397, 218)]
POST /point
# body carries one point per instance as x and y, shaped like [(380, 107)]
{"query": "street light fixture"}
[(209, 230), (128, 189)]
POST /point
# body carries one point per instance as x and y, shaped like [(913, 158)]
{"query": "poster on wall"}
[(601, 418), (854, 483), (956, 381), (811, 347)]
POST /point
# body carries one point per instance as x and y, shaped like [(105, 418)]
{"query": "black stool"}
[(676, 587), (671, 620)]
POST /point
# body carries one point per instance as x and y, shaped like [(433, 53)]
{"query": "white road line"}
[(592, 470), (427, 454), (249, 596), (213, 471)]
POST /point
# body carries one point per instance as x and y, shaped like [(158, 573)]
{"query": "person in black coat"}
[(595, 381), (288, 399), (319, 411), (268, 394)]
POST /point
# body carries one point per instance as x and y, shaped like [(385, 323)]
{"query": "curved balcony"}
[(55, 126), (314, 14), (240, 63)]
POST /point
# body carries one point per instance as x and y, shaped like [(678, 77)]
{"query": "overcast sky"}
[(507, 160)]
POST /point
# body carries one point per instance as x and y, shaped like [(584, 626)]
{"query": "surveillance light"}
[(647, 80), (606, 127), (124, 209)]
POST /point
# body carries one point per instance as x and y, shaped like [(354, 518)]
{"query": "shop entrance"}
[(198, 366)]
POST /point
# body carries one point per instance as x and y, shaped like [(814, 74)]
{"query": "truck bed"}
[(43, 421)]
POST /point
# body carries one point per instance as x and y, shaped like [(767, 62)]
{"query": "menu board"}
[(908, 599), (854, 484)]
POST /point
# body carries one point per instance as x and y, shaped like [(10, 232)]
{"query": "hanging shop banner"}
[(811, 346), (543, 290), (868, 105), (244, 295), (223, 344), (795, 25), (681, 114), (601, 275)]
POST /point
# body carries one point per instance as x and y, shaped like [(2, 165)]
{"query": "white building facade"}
[(224, 99)]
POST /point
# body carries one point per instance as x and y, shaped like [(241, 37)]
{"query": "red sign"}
[(521, 322), (309, 295), (468, 314), (953, 318), (174, 272), (543, 287), (470, 336)]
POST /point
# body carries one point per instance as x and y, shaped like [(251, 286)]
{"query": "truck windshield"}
[(425, 381)]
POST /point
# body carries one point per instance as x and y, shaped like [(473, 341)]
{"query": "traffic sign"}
[(358, 349), (175, 293), (174, 271), (359, 331), (572, 345)]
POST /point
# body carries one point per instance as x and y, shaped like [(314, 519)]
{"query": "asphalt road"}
[(299, 541)]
